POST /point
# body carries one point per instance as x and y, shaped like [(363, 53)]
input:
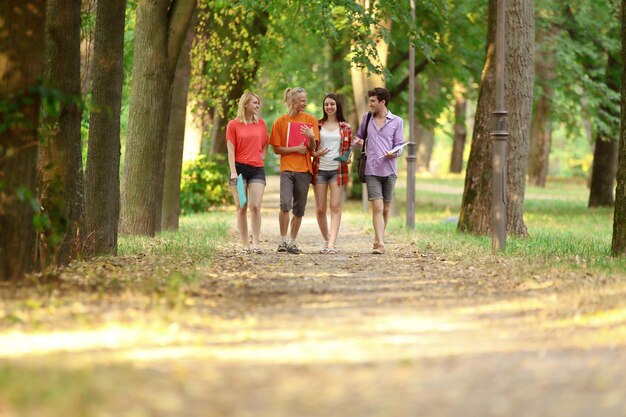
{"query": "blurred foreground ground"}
[(350, 335)]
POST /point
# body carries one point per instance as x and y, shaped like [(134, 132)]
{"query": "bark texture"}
[(460, 131), (475, 216), (605, 153), (176, 137), (21, 64), (425, 138), (618, 246), (541, 126), (102, 178), (61, 152), (160, 31)]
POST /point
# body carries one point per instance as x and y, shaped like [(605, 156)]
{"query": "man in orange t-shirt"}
[(294, 147)]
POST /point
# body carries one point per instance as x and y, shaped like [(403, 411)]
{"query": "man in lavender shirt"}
[(385, 131)]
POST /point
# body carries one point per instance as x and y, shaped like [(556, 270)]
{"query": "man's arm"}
[(286, 150)]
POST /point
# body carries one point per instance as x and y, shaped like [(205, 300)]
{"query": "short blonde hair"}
[(291, 93), (241, 109)]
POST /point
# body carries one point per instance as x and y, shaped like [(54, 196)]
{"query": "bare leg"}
[(320, 204), (242, 219), (256, 195), (335, 212), (378, 221), (283, 222), (386, 208), (295, 226)]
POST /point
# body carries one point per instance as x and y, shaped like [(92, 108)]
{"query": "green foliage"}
[(204, 185), (226, 54), (582, 34)]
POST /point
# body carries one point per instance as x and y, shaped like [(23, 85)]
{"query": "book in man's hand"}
[(394, 150), (295, 137)]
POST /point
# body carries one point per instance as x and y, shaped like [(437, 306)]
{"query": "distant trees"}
[(21, 66)]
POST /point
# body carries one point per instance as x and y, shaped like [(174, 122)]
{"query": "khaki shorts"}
[(380, 187), (294, 189)]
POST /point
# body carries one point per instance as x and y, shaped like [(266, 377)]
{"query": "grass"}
[(562, 229), (196, 239)]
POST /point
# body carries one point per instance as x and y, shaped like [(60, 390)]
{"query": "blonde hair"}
[(291, 93), (241, 109)]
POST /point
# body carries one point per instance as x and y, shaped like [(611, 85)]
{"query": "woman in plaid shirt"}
[(331, 168)]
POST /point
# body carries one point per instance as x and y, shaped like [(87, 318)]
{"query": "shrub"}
[(204, 184)]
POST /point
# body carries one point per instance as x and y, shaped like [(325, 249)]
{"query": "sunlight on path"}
[(350, 335)]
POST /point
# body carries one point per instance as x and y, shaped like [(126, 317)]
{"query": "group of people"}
[(322, 158)]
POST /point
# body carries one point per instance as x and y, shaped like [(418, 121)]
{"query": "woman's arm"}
[(231, 159)]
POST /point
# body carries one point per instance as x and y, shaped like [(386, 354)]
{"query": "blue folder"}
[(241, 190)]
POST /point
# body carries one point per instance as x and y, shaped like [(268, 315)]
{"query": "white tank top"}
[(330, 139)]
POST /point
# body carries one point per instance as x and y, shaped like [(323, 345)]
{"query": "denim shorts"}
[(249, 174), (326, 177), (380, 187), (294, 188)]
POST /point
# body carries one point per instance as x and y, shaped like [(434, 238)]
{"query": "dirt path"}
[(357, 335), (408, 334)]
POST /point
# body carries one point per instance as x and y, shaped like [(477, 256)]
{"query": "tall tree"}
[(460, 130), (21, 65), (605, 152), (618, 247), (160, 31), (102, 176), (176, 136), (541, 125), (60, 156), (476, 206)]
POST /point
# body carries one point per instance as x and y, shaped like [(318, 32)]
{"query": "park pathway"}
[(402, 334), (406, 334)]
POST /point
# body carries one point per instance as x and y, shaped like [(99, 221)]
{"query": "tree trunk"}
[(102, 178), (541, 126), (605, 153), (425, 138), (160, 31), (540, 142), (218, 134), (176, 137), (87, 40), (61, 154), (475, 216), (21, 65), (194, 133), (460, 131), (618, 246)]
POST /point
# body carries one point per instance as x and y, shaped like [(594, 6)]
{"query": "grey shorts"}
[(326, 177), (380, 187), (294, 188)]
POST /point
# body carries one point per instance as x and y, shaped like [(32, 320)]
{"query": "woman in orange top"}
[(246, 141)]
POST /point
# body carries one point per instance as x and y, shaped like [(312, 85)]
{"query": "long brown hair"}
[(334, 97)]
